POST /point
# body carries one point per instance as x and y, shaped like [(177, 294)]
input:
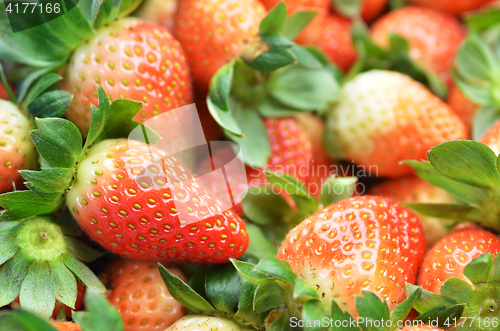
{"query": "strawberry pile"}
[(240, 165)]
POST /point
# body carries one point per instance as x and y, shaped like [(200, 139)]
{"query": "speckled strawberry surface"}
[(142, 204), (385, 117), (17, 152), (139, 294), (448, 258), (450, 6), (130, 59), (213, 32), (359, 244)]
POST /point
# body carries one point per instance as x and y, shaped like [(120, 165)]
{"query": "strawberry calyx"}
[(476, 72), (395, 58), (276, 78), (465, 305), (469, 170), (289, 296), (100, 315), (219, 291), (59, 144), (40, 261)]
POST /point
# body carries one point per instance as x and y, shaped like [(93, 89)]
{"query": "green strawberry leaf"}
[(395, 4), (472, 194), (442, 315), (343, 317), (276, 268), (479, 94), (83, 273), (274, 20), (184, 293), (22, 320), (269, 107), (37, 290), (50, 104), (282, 323), (222, 288), (50, 180), (428, 300), (14, 269), (447, 211), (468, 162), (335, 189), (303, 290), (484, 119), (24, 204), (483, 20), (263, 206), (224, 118), (103, 12), (313, 312), (479, 269), (100, 314), (58, 141), (246, 304), (7, 235), (475, 60), (254, 143), (304, 57), (80, 250), (404, 308), (304, 88), (371, 308), (220, 87), (247, 271), (26, 83), (269, 53), (259, 246), (297, 22), (64, 282), (286, 183), (494, 275), (457, 290), (348, 8), (40, 86), (268, 296)]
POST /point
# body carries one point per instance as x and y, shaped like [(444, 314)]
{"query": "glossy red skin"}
[(142, 222), (448, 258), (131, 59), (463, 107), (450, 6), (434, 36), (213, 32), (139, 294), (331, 34), (365, 243), (66, 326), (372, 9), (492, 138)]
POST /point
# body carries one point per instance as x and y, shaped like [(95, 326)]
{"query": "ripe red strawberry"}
[(204, 323), (212, 32), (463, 107), (149, 209), (16, 149), (321, 6), (366, 243), (66, 326), (492, 138), (372, 9), (448, 258), (3, 93), (385, 117), (434, 37), (159, 12), (331, 34), (139, 294), (131, 59), (415, 189), (450, 6)]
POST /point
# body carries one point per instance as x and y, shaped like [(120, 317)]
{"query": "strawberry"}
[(213, 32), (295, 5), (132, 59), (138, 293), (414, 189), (448, 258), (148, 222), (66, 326), (159, 12), (463, 107), (371, 9), (203, 323), (434, 37), (16, 150), (366, 243), (450, 6), (331, 34), (3, 93), (492, 138), (385, 117)]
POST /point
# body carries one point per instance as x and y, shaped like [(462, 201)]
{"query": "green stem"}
[(6, 85)]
